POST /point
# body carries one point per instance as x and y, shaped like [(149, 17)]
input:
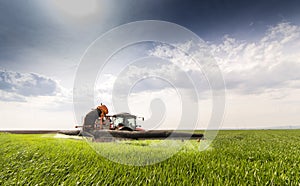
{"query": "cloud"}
[(17, 86), (249, 67), (11, 97), (269, 65), (283, 33)]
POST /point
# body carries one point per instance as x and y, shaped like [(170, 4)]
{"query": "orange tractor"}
[(99, 125), (97, 119)]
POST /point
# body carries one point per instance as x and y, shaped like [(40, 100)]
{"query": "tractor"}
[(97, 119), (103, 127)]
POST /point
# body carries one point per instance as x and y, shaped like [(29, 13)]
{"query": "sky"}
[(255, 45)]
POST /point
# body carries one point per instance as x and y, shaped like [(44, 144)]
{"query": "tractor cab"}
[(124, 121)]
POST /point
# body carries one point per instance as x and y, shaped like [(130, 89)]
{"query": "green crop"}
[(258, 157)]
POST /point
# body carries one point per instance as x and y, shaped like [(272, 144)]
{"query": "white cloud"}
[(38, 90), (11, 97), (176, 55), (268, 63), (262, 76), (27, 84), (283, 32), (33, 101), (271, 62)]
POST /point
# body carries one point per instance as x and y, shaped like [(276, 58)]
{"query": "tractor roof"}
[(124, 114)]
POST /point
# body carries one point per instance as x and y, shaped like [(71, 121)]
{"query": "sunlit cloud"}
[(250, 67)]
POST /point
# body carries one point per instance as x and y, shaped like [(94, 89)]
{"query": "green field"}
[(262, 157)]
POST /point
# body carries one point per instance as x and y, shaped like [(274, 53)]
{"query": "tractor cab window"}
[(119, 120), (130, 122)]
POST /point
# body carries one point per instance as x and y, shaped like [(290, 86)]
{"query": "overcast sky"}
[(256, 45)]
